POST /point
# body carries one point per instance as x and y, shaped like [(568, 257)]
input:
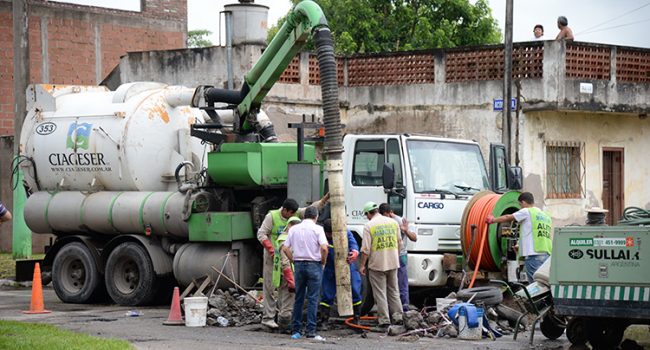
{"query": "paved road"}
[(147, 331)]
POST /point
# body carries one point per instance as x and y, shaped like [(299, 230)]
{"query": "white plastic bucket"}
[(196, 309), (467, 333)]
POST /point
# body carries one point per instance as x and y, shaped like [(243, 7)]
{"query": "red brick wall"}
[(71, 50), (117, 40), (6, 74)]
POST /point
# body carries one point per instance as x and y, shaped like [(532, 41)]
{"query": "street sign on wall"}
[(497, 104)]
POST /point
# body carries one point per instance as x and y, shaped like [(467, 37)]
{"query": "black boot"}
[(285, 325), (357, 313), (323, 317)]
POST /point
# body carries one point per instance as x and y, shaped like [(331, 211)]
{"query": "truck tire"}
[(75, 276), (551, 328), (130, 277), (576, 331), (605, 334), (485, 295)]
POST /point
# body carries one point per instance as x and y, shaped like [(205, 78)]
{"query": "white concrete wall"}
[(597, 131)]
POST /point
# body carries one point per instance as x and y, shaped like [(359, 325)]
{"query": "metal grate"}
[(587, 62), (291, 75), (314, 70), (632, 66), (487, 63), (395, 69), (565, 169)]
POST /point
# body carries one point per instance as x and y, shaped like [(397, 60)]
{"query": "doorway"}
[(613, 195)]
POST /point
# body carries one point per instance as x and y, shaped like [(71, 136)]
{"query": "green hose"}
[(635, 216)]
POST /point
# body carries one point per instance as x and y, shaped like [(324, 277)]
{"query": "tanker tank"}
[(99, 156)]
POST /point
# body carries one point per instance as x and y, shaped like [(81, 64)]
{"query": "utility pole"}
[(22, 237), (507, 82)]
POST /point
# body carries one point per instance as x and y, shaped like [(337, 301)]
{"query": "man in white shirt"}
[(535, 232)]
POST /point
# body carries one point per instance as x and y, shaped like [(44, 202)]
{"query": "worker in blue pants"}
[(328, 288)]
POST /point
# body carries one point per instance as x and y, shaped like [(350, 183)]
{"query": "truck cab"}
[(430, 180)]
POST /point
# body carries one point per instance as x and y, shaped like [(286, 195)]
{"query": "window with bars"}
[(565, 170)]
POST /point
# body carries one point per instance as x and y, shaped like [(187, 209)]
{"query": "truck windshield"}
[(444, 167)]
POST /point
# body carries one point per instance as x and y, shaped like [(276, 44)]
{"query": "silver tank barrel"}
[(106, 212)]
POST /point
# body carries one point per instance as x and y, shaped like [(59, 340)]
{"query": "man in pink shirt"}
[(307, 247)]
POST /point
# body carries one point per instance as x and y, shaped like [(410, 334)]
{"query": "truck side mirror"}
[(388, 176), (515, 178)]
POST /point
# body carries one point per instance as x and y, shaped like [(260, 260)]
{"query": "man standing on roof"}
[(272, 226), (538, 32), (535, 233), (380, 248), (328, 289), (565, 32)]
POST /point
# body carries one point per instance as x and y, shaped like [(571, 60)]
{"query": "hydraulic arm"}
[(306, 19)]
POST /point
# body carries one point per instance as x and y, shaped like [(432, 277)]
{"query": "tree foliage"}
[(365, 26), (198, 38)]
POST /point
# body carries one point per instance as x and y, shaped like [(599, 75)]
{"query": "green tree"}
[(365, 26), (198, 38)]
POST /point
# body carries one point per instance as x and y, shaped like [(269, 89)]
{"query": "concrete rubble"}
[(237, 308)]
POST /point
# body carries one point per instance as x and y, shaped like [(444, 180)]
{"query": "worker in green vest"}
[(275, 277), (535, 232)]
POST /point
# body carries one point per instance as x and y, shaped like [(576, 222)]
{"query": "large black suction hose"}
[(330, 92)]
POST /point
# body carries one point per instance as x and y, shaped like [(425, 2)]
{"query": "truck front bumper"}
[(425, 270)]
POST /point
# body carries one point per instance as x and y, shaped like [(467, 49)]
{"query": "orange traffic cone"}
[(174, 318), (37, 306)]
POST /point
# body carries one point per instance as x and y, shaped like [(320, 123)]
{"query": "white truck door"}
[(364, 162)]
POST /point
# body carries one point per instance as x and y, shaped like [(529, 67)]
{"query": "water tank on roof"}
[(249, 23)]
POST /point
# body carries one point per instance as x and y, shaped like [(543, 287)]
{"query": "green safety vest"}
[(279, 224), (384, 236), (542, 231)]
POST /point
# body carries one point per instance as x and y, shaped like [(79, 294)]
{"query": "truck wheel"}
[(605, 334), (551, 328), (130, 277), (486, 295), (576, 331), (75, 276)]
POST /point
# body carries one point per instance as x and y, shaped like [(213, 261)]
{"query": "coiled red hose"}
[(480, 255)]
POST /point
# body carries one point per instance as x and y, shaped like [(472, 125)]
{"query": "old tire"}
[(605, 334), (75, 276), (576, 331), (551, 328), (130, 276), (485, 295)]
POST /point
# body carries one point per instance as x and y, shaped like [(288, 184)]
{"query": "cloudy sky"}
[(620, 22)]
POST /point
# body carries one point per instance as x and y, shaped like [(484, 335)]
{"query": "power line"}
[(612, 19), (618, 26)]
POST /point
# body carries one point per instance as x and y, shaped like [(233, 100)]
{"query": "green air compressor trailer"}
[(600, 280)]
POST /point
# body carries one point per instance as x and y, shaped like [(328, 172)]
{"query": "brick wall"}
[(6, 74), (116, 40)]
